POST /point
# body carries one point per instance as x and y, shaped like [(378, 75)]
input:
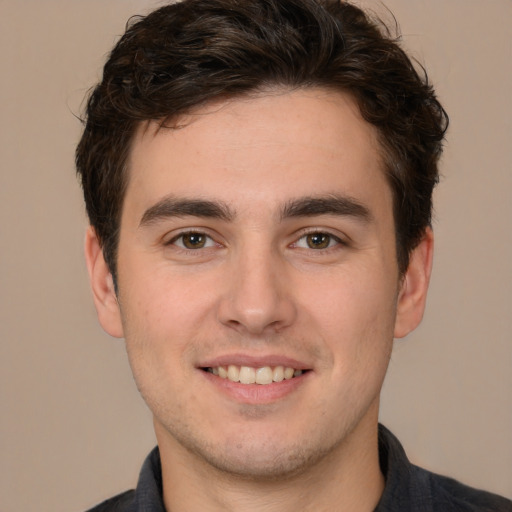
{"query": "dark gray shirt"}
[(408, 487)]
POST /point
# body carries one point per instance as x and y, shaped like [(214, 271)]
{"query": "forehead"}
[(266, 148)]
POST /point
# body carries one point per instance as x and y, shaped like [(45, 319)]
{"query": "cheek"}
[(347, 300), (163, 317), (355, 315), (165, 302)]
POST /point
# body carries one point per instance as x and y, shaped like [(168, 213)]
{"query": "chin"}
[(263, 463), (258, 458)]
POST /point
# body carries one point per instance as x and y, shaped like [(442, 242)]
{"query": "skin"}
[(259, 289)]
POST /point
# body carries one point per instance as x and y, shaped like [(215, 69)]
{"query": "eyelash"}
[(173, 241), (332, 238), (333, 241)]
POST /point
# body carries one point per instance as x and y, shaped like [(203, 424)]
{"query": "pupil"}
[(193, 240), (318, 241)]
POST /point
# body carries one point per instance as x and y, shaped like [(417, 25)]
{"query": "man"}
[(258, 177)]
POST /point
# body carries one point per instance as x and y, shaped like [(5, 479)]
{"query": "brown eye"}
[(318, 240), (193, 240)]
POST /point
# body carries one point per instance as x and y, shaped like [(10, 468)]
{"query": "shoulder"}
[(449, 494), (414, 489), (148, 494), (121, 503)]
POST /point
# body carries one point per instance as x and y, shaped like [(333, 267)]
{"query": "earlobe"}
[(413, 292), (102, 286)]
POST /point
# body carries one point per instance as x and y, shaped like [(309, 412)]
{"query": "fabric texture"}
[(408, 487)]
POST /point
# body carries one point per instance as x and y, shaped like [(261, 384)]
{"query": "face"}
[(257, 243)]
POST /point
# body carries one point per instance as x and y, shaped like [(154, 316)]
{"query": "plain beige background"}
[(73, 428)]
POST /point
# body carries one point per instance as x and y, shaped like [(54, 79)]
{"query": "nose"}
[(257, 296)]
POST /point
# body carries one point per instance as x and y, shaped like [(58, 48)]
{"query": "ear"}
[(102, 286), (413, 292)]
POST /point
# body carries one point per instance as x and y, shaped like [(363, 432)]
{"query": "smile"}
[(249, 375)]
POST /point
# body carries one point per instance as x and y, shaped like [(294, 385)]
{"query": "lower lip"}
[(256, 393)]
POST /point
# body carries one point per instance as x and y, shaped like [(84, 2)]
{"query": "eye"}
[(192, 240), (317, 240)]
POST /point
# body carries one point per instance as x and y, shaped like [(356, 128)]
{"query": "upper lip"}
[(253, 361)]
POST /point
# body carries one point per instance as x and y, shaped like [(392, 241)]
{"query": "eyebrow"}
[(170, 206), (326, 205)]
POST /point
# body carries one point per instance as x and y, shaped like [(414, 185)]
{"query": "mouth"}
[(263, 375)]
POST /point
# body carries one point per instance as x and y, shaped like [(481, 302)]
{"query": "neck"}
[(348, 479)]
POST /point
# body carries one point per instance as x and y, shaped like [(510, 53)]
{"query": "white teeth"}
[(288, 373), (278, 375), (264, 375), (233, 373), (249, 375)]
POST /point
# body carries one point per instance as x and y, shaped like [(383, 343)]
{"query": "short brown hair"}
[(192, 52)]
